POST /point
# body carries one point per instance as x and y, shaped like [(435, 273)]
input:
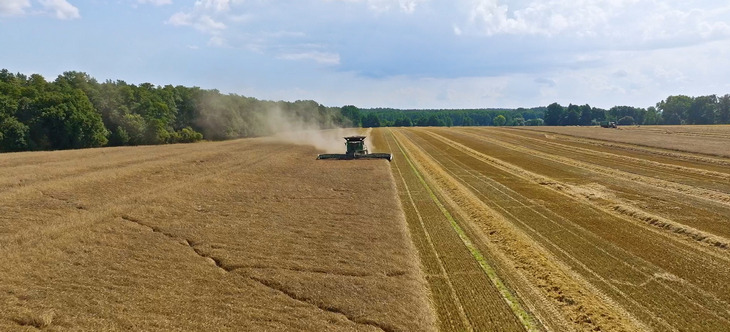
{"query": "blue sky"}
[(384, 53)]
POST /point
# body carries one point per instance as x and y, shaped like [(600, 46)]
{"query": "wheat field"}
[(467, 229), (239, 235), (570, 229)]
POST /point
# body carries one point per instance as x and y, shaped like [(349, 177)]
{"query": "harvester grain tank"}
[(356, 149)]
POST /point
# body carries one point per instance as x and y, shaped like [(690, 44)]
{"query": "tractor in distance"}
[(608, 124), (356, 149)]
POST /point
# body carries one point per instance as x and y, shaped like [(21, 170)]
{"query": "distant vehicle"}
[(356, 149), (608, 124)]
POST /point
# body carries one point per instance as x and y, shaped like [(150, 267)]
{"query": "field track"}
[(466, 291), (238, 235), (585, 234)]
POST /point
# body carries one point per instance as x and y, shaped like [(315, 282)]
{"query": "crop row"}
[(649, 274), (464, 295)]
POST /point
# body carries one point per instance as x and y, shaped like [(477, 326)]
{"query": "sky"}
[(384, 53)]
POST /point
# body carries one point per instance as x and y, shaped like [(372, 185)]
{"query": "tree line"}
[(675, 110), (390, 117), (76, 111)]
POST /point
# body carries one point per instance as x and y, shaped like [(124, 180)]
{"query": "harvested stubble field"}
[(467, 229), (244, 235), (584, 229)]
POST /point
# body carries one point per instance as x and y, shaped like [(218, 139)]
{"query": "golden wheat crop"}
[(583, 230), (238, 235), (709, 140), (467, 229)]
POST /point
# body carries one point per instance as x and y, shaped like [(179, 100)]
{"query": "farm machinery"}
[(608, 124), (356, 149)]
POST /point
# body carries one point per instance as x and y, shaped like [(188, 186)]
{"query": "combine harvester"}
[(356, 149)]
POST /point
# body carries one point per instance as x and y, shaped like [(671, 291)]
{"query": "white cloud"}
[(217, 40), (406, 6), (207, 23), (180, 19), (206, 16), (215, 5), (155, 2), (319, 57), (545, 17), (545, 82), (671, 23), (202, 23), (633, 21), (13, 7), (61, 9), (457, 30)]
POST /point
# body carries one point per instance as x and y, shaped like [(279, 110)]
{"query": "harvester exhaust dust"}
[(356, 149)]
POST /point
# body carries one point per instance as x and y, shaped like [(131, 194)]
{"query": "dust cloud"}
[(328, 141), (301, 122), (294, 130)]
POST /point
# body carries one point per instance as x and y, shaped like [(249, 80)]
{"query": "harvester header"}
[(356, 149)]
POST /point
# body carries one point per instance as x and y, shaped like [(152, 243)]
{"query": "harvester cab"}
[(356, 149)]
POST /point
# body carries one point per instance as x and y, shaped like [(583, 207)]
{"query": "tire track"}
[(699, 193), (699, 293), (466, 266), (664, 169), (710, 159), (444, 315), (466, 177), (621, 207)]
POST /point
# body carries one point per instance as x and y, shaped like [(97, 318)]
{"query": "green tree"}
[(571, 116), (535, 122), (652, 116), (435, 121), (448, 121), (618, 112), (66, 121), (626, 121), (13, 135), (553, 114), (499, 120), (403, 122), (599, 114), (723, 109), (187, 135), (702, 110), (371, 120), (353, 114), (156, 132), (674, 109), (422, 121), (586, 115), (135, 127), (119, 137)]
